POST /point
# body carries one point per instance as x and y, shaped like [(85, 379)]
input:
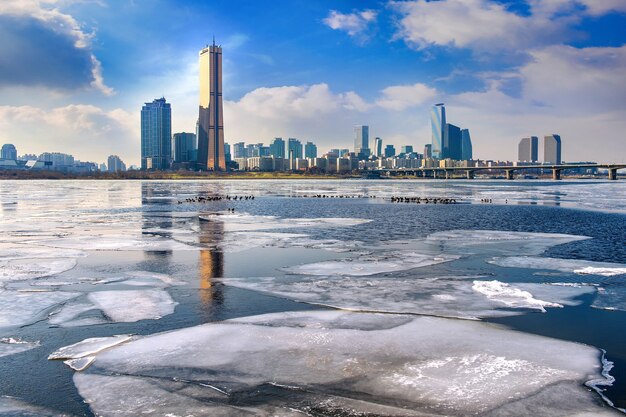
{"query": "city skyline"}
[(88, 96)]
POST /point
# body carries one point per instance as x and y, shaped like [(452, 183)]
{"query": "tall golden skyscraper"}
[(210, 121)]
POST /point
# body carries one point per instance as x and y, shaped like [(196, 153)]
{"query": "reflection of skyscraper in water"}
[(156, 215), (211, 262)]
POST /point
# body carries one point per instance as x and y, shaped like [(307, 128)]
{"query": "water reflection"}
[(211, 262), (156, 215)]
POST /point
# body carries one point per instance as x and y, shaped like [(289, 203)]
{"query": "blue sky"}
[(74, 74)]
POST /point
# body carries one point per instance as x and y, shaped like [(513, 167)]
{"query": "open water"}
[(312, 298)]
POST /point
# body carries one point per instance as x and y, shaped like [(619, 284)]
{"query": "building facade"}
[(156, 135), (115, 164), (211, 121), (378, 147), (310, 150), (428, 150), (8, 152), (185, 149), (294, 149), (466, 145), (528, 149), (552, 149), (277, 148), (362, 141), (390, 151), (438, 124), (452, 148)]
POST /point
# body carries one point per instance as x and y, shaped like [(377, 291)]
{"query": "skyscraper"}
[(390, 151), (310, 150), (552, 149), (294, 149), (277, 148), (116, 164), (451, 143), (378, 147), (239, 150), (438, 125), (528, 149), (227, 154), (466, 145), (428, 150), (211, 122), (8, 152), (406, 149), (156, 135), (362, 141), (184, 147)]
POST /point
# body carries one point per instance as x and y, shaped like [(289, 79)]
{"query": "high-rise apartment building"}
[(239, 150), (528, 149), (406, 149), (156, 135), (452, 147), (227, 154), (466, 145), (8, 152), (438, 125), (362, 141), (184, 147), (115, 164), (390, 151), (277, 148), (294, 149), (378, 147), (211, 122), (310, 150), (552, 149)]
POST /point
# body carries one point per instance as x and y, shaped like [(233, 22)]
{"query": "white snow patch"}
[(510, 295), (577, 266)]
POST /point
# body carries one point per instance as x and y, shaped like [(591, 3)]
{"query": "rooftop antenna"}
[(213, 40)]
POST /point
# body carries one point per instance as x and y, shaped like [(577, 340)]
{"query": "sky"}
[(74, 74)]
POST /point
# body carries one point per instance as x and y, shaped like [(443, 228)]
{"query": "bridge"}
[(509, 170)]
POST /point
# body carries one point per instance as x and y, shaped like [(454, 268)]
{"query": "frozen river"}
[(154, 298)]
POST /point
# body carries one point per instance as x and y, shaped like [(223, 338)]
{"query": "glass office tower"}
[(438, 125), (211, 122)]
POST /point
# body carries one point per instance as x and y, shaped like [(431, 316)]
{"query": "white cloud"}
[(47, 13), (477, 24), (400, 97), (355, 24), (86, 131)]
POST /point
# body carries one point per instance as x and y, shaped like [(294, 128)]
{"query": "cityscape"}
[(356, 208), (205, 149)]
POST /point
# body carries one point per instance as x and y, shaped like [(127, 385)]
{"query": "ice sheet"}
[(25, 269), (497, 242), (577, 266), (611, 297), (80, 364), (11, 345), (9, 252), (447, 296), (510, 295), (15, 407), (247, 222), (19, 308), (89, 347), (426, 364), (133, 305), (372, 264)]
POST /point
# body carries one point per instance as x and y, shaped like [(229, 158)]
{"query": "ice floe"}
[(25, 269), (510, 295), (372, 264), (12, 345), (447, 296), (15, 407), (89, 347), (294, 361), (19, 308), (133, 305), (497, 242), (577, 266)]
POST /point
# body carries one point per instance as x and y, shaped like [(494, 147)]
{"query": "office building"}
[(57, 160), (8, 152), (184, 147), (310, 150), (451, 143), (390, 151), (211, 122), (239, 150), (406, 149), (294, 149), (552, 149), (361, 141), (528, 149), (466, 145), (277, 148), (227, 154), (438, 125), (428, 150), (156, 135), (378, 147), (115, 164)]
